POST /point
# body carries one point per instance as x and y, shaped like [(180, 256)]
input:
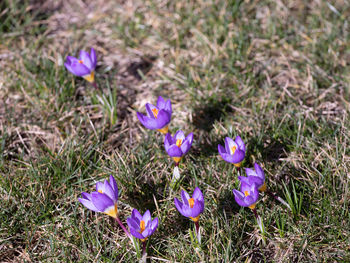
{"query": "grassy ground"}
[(275, 72)]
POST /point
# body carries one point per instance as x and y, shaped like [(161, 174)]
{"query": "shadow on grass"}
[(270, 149), (208, 112), (227, 204)]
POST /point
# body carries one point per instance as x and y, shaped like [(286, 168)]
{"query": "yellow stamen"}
[(233, 149), (191, 202), (263, 188), (178, 142), (246, 193), (100, 191), (155, 112), (177, 159), (195, 219), (144, 239), (164, 130), (90, 77), (81, 62), (113, 211), (142, 226)]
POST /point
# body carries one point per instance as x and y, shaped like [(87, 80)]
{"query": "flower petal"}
[(85, 57), (136, 234), (133, 224), (93, 58), (198, 195), (160, 103), (229, 143), (174, 151), (114, 185), (240, 143), (101, 201)]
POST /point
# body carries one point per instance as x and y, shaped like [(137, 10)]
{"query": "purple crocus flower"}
[(257, 177), (234, 151), (178, 146), (104, 199), (142, 226), (84, 66), (158, 117), (247, 196), (191, 207)]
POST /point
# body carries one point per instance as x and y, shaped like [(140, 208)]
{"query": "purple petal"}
[(250, 172), (240, 143), (160, 103), (239, 197), (179, 135), (114, 185), (100, 187), (147, 217), (236, 158), (85, 57), (168, 107), (185, 147), (136, 234), (155, 224), (150, 123), (101, 201), (149, 108), (133, 224), (79, 69), (167, 141), (189, 138), (221, 150), (259, 171), (93, 58), (185, 196), (109, 191), (174, 151), (197, 209), (135, 214), (198, 195), (86, 201), (229, 143), (178, 205)]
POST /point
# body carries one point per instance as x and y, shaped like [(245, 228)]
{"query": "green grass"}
[(274, 72)]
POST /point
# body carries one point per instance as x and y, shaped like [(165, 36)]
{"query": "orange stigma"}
[(81, 62), (246, 193), (100, 191), (191, 202), (178, 142), (142, 226), (155, 112)]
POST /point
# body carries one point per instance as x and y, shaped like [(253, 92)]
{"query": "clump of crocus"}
[(178, 146), (257, 177), (158, 117), (234, 151), (104, 200), (247, 196), (84, 66), (140, 226), (191, 207)]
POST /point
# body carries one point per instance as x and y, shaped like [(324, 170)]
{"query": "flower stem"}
[(144, 253), (260, 224), (94, 85), (276, 197), (123, 227), (198, 234)]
